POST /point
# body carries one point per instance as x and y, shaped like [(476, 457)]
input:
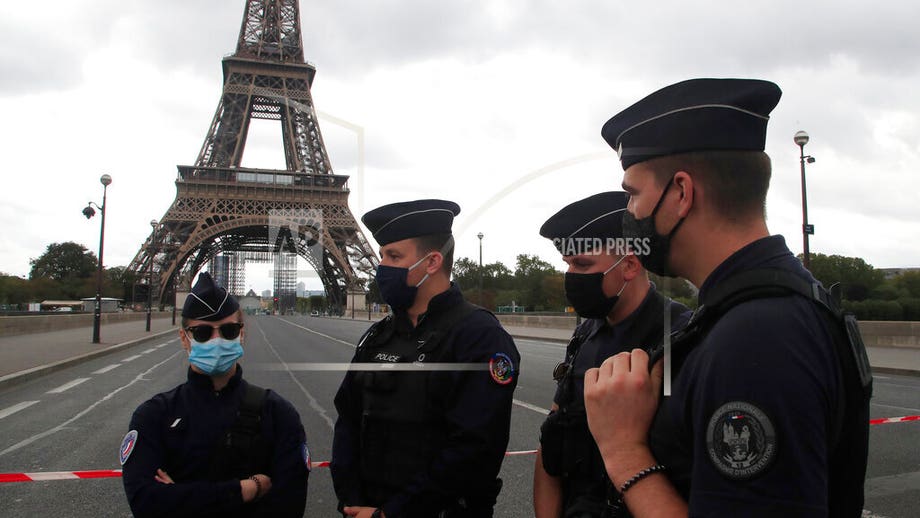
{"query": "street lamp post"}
[(153, 238), (480, 236), (801, 138), (88, 211)]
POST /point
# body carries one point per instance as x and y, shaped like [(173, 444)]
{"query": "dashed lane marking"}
[(16, 408), (528, 406), (148, 351), (67, 386), (107, 368), (131, 358), (140, 377)]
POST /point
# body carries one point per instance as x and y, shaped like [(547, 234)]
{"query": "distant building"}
[(301, 289), (267, 294), (251, 293), (109, 305), (894, 272)]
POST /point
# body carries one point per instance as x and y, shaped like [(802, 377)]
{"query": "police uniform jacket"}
[(177, 431), (467, 415), (748, 427), (595, 340)]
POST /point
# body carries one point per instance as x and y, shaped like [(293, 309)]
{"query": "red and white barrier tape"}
[(888, 420), (110, 473)]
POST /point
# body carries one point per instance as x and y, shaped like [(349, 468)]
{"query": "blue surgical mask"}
[(216, 356), (393, 288)]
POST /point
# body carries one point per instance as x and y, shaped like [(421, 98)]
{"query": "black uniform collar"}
[(199, 380), (438, 304), (768, 251)]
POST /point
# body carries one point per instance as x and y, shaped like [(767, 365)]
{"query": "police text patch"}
[(741, 440)]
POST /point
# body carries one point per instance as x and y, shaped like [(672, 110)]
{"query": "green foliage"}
[(875, 309), (70, 266), (908, 283), (857, 277), (911, 307)]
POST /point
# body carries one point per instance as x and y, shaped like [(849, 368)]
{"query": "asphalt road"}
[(75, 419)]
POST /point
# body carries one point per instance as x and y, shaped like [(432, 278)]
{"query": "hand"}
[(361, 512), (621, 398), (162, 477), (249, 490)]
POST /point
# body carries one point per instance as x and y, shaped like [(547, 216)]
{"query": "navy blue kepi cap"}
[(404, 220), (694, 115), (588, 223), (208, 301)]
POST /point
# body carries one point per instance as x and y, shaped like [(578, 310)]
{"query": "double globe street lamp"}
[(88, 211)]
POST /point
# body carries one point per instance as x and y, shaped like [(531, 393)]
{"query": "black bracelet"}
[(639, 476), (258, 487)]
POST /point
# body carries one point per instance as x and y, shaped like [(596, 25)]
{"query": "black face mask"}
[(659, 246), (585, 292)]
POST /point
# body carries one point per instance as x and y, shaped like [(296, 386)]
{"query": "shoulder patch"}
[(305, 453), (127, 446), (741, 440), (501, 368)]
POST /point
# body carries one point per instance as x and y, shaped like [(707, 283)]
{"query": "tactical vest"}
[(567, 447), (848, 436), (401, 425), (239, 452)]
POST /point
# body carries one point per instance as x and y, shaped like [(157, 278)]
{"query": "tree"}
[(529, 273), (857, 278), (68, 266), (908, 283), (13, 290), (62, 261)]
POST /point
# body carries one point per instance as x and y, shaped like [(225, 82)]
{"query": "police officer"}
[(427, 442), (607, 286), (215, 445), (768, 414)]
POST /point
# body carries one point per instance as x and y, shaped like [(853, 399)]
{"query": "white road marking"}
[(67, 386), (314, 404), (881, 377), (107, 369), (317, 333), (528, 406), (162, 345), (148, 351), (110, 395), (16, 408), (131, 358), (53, 475), (914, 410)]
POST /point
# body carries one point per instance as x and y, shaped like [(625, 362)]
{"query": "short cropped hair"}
[(736, 182), (434, 243)]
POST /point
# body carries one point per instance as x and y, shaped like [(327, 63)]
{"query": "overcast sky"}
[(459, 100)]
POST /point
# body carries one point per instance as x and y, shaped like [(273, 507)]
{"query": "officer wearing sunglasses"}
[(215, 445)]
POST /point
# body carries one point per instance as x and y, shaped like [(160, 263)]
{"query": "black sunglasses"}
[(203, 333)]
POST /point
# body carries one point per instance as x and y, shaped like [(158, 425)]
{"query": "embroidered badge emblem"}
[(501, 368), (127, 446), (741, 440)]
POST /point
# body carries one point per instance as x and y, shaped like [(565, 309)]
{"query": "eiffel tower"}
[(223, 208)]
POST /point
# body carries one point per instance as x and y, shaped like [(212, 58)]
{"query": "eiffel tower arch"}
[(223, 208)]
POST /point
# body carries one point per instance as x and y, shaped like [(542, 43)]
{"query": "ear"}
[(684, 186), (434, 262), (186, 342), (631, 267)]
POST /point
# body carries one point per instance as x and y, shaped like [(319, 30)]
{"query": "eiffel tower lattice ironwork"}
[(221, 207)]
